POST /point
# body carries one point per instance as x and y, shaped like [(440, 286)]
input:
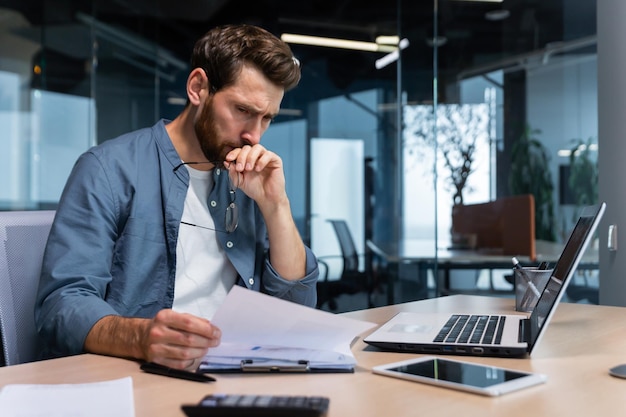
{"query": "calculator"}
[(234, 405)]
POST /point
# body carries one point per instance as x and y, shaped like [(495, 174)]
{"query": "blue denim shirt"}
[(112, 246)]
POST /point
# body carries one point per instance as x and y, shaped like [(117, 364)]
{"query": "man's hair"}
[(223, 51)]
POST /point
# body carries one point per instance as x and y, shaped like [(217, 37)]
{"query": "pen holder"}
[(529, 284)]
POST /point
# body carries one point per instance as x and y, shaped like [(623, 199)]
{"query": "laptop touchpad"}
[(411, 328)]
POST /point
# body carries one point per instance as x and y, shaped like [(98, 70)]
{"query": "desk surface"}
[(578, 380)]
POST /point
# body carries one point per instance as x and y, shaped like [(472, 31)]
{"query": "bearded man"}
[(156, 226)]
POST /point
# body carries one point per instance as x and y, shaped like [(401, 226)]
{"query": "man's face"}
[(206, 131), (237, 115)]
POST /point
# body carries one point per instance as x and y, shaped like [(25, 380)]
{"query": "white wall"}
[(612, 146), (336, 193)]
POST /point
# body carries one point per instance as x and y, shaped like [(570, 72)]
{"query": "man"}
[(155, 227)]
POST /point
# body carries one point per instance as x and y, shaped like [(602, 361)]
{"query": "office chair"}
[(23, 236), (352, 280)]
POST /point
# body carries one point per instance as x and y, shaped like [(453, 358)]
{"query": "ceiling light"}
[(336, 43), (392, 56), (593, 147), (495, 15), (176, 101), (387, 40)]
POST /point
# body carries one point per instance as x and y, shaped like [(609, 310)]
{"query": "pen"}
[(531, 284), (516, 263), (155, 368)]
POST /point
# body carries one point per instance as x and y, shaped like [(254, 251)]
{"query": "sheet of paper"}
[(95, 399), (252, 319)]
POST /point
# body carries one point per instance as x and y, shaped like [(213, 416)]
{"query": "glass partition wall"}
[(72, 77), (389, 139), (514, 111)]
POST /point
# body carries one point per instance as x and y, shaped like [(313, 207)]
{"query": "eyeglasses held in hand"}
[(231, 217)]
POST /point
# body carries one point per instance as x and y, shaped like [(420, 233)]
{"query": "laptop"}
[(513, 335)]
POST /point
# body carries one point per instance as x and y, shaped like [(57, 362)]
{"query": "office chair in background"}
[(23, 236), (352, 280)]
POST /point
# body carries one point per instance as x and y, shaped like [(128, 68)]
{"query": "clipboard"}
[(273, 366), (279, 336)]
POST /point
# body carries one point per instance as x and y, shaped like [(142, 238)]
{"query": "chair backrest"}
[(346, 243), (23, 237), (507, 224)]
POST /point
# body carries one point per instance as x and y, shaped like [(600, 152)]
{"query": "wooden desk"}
[(578, 380), (428, 256)]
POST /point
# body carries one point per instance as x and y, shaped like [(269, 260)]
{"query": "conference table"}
[(581, 344), (431, 256)]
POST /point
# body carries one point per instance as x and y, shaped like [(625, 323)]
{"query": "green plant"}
[(530, 174), (583, 176)]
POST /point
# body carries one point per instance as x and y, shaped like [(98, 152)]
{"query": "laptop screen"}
[(564, 270)]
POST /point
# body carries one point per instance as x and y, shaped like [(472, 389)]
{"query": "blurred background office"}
[(437, 103)]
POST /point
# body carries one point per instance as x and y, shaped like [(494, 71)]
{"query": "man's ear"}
[(196, 82)]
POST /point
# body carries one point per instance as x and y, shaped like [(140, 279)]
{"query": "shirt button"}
[(218, 171), (213, 203), (229, 244), (251, 281)]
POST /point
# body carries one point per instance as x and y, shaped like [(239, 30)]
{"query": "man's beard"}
[(206, 133)]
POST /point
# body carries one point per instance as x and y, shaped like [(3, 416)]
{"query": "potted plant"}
[(530, 174), (460, 131), (583, 183), (583, 175)]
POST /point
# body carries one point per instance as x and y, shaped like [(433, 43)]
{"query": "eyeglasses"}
[(231, 217)]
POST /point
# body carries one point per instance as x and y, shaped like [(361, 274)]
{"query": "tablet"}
[(461, 375)]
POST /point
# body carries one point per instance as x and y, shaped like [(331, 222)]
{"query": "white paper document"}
[(95, 399), (259, 329)]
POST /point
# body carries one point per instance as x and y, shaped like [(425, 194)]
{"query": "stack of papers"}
[(96, 399), (264, 333)]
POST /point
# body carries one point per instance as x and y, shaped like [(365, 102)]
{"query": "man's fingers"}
[(187, 364), (175, 356), (183, 339), (178, 339), (251, 158), (189, 326)]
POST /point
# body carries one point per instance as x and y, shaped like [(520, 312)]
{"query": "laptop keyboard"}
[(475, 329)]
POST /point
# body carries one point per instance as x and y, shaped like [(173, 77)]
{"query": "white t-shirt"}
[(204, 275)]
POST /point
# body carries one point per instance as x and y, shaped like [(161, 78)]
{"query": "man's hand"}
[(179, 340), (173, 339), (258, 172)]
